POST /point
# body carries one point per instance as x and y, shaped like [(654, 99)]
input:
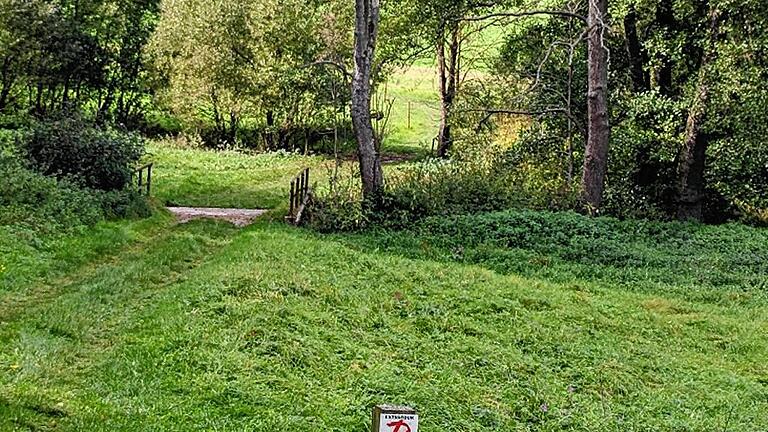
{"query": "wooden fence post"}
[(409, 114), (149, 179)]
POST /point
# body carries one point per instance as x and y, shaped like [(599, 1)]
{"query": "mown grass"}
[(199, 178), (205, 327)]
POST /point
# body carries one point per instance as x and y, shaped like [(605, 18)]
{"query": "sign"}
[(399, 423), (395, 419)]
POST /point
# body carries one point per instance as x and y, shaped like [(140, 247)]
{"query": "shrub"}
[(437, 187), (429, 188), (474, 181), (8, 140), (32, 204), (70, 147), (43, 203), (338, 207), (127, 203)]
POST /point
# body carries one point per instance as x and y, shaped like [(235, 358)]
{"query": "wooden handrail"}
[(146, 188), (300, 194)]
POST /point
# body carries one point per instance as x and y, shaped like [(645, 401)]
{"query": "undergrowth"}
[(710, 263)]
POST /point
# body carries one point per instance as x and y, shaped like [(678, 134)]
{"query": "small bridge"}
[(299, 198)]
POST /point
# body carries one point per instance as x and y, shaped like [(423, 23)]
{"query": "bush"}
[(338, 208), (480, 178), (429, 188), (35, 204), (127, 203), (8, 139), (95, 158), (43, 203)]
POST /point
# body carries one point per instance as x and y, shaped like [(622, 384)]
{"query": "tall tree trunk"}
[(596, 153), (106, 106), (8, 80), (269, 136), (5, 93), (234, 125), (39, 99), (449, 80), (692, 161), (366, 32), (637, 55), (647, 172)]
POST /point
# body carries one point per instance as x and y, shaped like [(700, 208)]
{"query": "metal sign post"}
[(389, 418)]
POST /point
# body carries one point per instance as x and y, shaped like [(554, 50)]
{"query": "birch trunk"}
[(366, 33)]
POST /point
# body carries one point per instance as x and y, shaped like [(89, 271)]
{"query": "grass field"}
[(512, 321), (414, 89), (226, 179)]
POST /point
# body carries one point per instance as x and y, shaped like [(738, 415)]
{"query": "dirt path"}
[(238, 217)]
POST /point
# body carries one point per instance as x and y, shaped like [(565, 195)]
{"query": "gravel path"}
[(238, 217)]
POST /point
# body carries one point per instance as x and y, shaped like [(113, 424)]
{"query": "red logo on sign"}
[(396, 426)]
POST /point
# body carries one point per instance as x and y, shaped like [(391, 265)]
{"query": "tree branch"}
[(490, 112), (340, 67), (559, 13)]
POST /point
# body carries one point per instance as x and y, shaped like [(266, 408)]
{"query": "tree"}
[(598, 130), (231, 62), (598, 135), (86, 54), (449, 76), (637, 55), (693, 155), (367, 13)]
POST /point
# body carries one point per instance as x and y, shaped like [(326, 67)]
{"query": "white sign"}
[(399, 423)]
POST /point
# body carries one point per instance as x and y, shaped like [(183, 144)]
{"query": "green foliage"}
[(652, 90), (37, 211), (127, 203), (482, 176), (84, 53), (43, 203), (96, 158), (339, 207), (250, 66), (644, 154), (46, 205), (437, 187)]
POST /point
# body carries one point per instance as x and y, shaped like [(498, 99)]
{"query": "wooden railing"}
[(144, 183), (300, 195)]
